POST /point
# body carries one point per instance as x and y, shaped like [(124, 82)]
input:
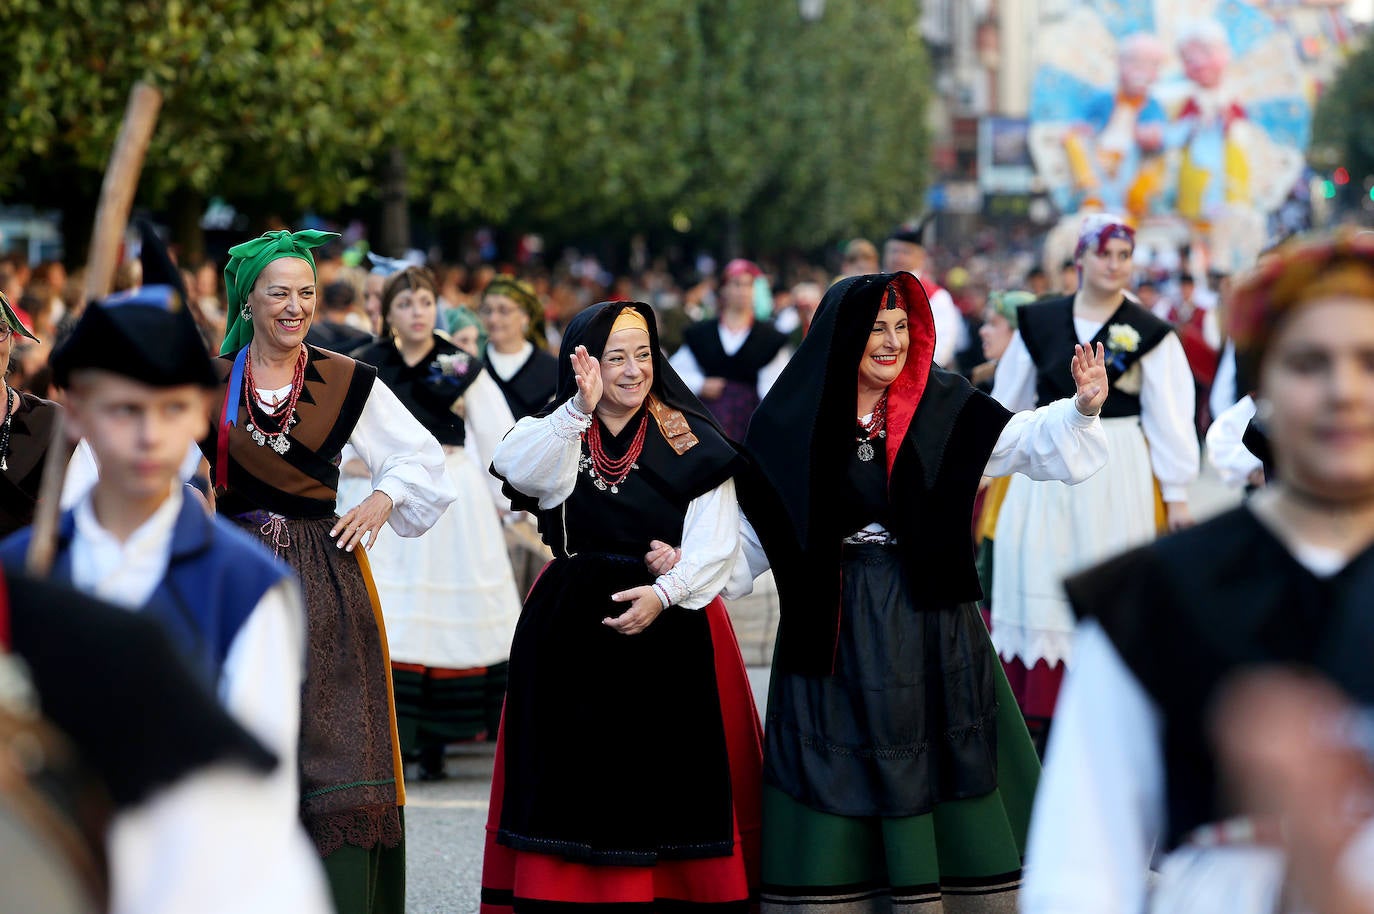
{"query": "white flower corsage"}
[(454, 364), (1123, 338)]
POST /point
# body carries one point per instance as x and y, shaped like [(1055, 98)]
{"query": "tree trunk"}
[(395, 239)]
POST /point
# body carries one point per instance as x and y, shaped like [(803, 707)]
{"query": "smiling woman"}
[(287, 410), (616, 666)]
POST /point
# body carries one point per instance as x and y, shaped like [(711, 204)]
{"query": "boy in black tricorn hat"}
[(137, 378)]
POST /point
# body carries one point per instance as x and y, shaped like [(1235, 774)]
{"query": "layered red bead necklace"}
[(606, 472), (282, 414), (874, 428)]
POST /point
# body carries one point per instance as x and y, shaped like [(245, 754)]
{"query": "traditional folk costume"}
[(183, 781), (274, 457), (898, 775), (749, 361), (1046, 530), (1131, 780), (232, 610), (528, 377), (573, 827), (448, 597), (25, 433)]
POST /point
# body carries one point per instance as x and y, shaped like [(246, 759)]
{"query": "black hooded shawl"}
[(706, 465), (583, 701), (940, 434)]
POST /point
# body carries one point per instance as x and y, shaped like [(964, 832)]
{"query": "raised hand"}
[(587, 370), (1090, 374)]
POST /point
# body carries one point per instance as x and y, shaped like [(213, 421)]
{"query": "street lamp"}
[(811, 10)]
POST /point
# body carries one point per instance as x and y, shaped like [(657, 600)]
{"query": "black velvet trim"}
[(585, 853), (359, 386)]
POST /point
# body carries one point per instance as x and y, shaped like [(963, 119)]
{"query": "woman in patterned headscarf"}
[(287, 411)]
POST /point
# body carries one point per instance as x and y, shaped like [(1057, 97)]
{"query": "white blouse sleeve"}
[(539, 457), (710, 543), (405, 462), (949, 325), (1168, 402), (1099, 809), (1052, 442), (685, 364), (1226, 448), (750, 562), (769, 373), (487, 417), (1014, 384), (207, 844)]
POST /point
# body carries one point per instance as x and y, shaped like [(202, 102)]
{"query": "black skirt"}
[(614, 745), (907, 720)]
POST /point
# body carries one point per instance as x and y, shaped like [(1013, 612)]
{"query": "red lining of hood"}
[(904, 394)]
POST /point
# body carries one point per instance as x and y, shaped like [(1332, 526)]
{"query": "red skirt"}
[(1036, 689), (514, 881)]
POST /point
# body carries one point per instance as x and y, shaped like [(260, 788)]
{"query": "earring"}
[(246, 312)]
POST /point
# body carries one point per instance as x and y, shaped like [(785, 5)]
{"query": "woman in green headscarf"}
[(287, 412)]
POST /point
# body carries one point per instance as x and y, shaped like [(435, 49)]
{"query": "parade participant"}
[(151, 777), (448, 596), (136, 376), (514, 321), (860, 257), (996, 332), (466, 330), (905, 249), (897, 773), (612, 663), (25, 433), (732, 361), (332, 331), (1130, 781), (1149, 422), (287, 411)]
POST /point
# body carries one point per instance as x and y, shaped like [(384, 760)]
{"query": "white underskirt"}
[(448, 596), (1047, 531)]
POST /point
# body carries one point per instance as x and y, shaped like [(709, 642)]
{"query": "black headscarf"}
[(940, 433), (707, 464)]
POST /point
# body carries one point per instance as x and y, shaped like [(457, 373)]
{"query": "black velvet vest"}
[(1191, 609), (1048, 332), (761, 347)]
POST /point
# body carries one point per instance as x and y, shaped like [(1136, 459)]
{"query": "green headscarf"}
[(523, 294), (463, 317), (247, 261), (9, 319), (1007, 303)]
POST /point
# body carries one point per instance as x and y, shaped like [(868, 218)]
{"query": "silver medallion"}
[(281, 444), (615, 490), (599, 483), (866, 451)]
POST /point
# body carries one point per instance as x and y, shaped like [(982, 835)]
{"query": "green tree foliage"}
[(1342, 122), (562, 115)]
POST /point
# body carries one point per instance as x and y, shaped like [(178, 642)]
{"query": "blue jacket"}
[(216, 574)]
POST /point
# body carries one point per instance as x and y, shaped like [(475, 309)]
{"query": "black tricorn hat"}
[(911, 232), (146, 335)]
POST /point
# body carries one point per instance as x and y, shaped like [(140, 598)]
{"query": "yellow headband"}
[(629, 319)]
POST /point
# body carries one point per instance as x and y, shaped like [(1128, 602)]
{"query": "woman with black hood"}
[(628, 762), (898, 773)]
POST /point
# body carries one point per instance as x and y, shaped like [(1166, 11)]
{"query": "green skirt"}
[(963, 857)]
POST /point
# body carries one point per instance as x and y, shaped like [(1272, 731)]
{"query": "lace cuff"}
[(568, 422), (672, 588)]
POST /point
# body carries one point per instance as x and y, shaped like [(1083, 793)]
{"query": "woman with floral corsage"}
[(449, 597), (288, 410), (627, 771), (1045, 530)]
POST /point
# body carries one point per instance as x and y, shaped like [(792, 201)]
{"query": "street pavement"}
[(446, 820)]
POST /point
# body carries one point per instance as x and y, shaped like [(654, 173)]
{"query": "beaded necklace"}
[(282, 414), (875, 427), (605, 472), (5, 428)]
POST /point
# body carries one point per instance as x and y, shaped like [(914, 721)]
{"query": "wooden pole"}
[(117, 192), (111, 219)]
